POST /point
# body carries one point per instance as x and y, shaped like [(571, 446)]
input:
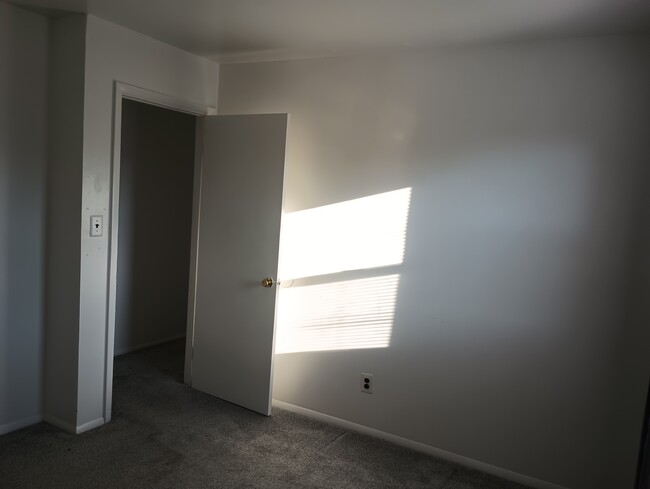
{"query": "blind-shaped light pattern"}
[(357, 234), (366, 233), (344, 315)]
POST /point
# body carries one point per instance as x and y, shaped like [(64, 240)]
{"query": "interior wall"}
[(23, 155), (514, 340), (156, 182), (65, 125), (114, 53)]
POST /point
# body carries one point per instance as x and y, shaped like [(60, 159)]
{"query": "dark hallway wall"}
[(157, 165)]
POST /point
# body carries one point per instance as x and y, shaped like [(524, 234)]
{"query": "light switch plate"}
[(96, 226)]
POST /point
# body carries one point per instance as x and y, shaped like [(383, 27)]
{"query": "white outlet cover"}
[(370, 378)]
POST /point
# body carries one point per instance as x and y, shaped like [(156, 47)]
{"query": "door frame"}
[(125, 91)]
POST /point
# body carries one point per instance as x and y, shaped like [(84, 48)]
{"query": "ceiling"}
[(247, 30)]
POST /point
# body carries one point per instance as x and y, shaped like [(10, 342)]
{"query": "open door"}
[(242, 173)]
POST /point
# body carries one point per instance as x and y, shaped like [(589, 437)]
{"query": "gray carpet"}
[(166, 435)]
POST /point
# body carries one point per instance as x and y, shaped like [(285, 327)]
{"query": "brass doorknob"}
[(267, 282)]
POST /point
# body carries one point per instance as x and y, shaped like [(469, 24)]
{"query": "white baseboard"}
[(129, 349), (420, 447), (59, 423), (70, 428), (20, 423), (95, 423)]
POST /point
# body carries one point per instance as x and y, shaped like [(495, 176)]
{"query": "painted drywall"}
[(65, 122), (633, 352), (516, 299), (156, 181), (114, 53), (23, 155)]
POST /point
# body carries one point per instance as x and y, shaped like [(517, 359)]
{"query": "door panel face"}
[(238, 241)]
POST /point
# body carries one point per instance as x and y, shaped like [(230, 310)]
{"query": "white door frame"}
[(126, 91)]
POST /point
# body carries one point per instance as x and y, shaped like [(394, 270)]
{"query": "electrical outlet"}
[(367, 380)]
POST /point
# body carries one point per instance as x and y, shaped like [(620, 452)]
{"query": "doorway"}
[(155, 208), (236, 206)]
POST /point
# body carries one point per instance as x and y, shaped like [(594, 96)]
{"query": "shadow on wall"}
[(514, 294), (319, 306), (23, 99)]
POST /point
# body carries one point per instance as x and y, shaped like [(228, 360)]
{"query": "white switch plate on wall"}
[(96, 225)]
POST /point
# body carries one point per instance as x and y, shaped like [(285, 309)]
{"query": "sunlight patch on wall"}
[(357, 234), (315, 245), (337, 316)]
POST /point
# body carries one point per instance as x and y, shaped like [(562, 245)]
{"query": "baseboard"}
[(95, 423), (59, 423), (129, 349), (70, 428), (420, 447), (21, 423)]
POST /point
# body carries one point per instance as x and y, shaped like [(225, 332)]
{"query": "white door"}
[(238, 241)]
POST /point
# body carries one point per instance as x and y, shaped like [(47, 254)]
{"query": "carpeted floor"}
[(166, 435)]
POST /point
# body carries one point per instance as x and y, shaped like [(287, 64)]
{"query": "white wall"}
[(23, 154), (65, 125), (515, 340), (114, 53), (156, 181)]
